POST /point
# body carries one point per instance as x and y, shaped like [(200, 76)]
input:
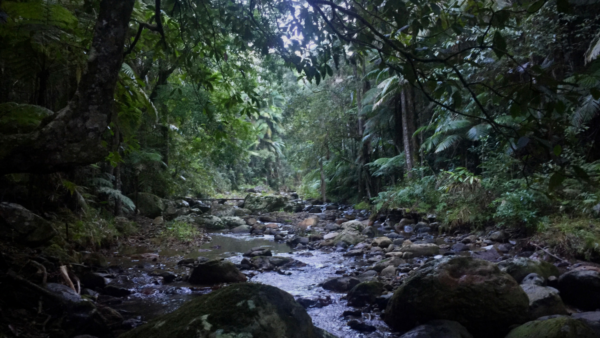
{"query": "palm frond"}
[(586, 111), (448, 142)]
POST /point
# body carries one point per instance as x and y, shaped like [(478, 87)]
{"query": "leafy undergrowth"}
[(181, 232), (93, 229), (572, 237)]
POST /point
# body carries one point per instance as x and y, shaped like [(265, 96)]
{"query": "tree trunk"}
[(408, 129), (73, 135), (364, 176), (118, 204), (117, 170), (323, 182)]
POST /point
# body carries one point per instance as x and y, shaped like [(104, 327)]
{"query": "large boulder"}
[(519, 267), (149, 205), (233, 221), (472, 292), (237, 311), (242, 229), (257, 203), (241, 212), (170, 211), (592, 319), (340, 284), (294, 206), (21, 225), (581, 288), (209, 222), (215, 272), (438, 329), (364, 293), (350, 234), (553, 327), (222, 210), (543, 301)]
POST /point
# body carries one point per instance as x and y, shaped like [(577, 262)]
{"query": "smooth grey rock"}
[(543, 301)]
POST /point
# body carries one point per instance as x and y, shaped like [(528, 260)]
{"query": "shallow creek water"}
[(150, 298)]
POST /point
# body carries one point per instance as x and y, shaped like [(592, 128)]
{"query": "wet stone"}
[(360, 326), (64, 292), (314, 302), (116, 291), (459, 247), (340, 284), (352, 313)]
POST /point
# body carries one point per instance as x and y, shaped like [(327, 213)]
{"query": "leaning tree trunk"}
[(73, 136)]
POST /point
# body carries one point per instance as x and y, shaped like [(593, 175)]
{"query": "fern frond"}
[(116, 195), (586, 111), (448, 142)]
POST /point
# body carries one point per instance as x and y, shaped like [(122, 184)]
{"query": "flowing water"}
[(138, 267)]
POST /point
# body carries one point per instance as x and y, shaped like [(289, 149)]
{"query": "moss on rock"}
[(216, 271), (470, 291), (364, 293), (149, 205), (19, 224), (258, 203), (242, 310), (555, 327), (519, 267)]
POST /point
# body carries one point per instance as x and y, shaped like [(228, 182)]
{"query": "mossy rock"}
[(555, 327), (238, 311), (19, 224), (519, 267), (215, 272), (470, 291), (222, 210), (258, 203), (21, 118), (149, 205), (364, 293), (209, 222), (350, 234), (233, 221)]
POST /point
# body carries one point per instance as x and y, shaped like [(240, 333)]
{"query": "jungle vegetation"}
[(482, 112)]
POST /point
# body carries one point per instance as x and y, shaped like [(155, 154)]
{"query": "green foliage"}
[(419, 195), (572, 237), (362, 206), (21, 118), (520, 208), (180, 231), (387, 166)]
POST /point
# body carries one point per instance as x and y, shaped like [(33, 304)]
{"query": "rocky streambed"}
[(361, 278), (329, 270), (159, 285)]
